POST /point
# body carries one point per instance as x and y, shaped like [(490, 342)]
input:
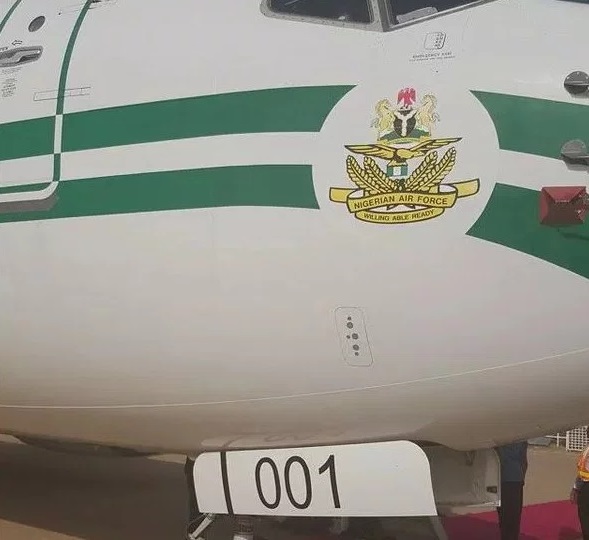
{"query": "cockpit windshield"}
[(337, 10), (370, 14), (408, 10)]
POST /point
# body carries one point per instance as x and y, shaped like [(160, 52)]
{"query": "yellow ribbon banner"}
[(431, 205)]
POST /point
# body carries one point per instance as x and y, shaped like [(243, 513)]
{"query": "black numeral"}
[(274, 505), (329, 465), (309, 494)]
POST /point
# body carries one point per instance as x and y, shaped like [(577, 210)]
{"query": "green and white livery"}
[(293, 224)]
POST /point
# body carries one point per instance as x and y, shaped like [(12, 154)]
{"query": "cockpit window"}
[(336, 10), (367, 15), (408, 10)]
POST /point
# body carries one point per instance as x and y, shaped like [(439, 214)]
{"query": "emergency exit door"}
[(34, 40)]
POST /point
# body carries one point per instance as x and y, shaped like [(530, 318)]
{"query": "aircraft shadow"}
[(470, 527), (88, 497)]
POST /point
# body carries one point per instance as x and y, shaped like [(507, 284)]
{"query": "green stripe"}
[(63, 81), (9, 14), (27, 138), (289, 186), (56, 167), (301, 109), (535, 126), (23, 189), (68, 57), (511, 220)]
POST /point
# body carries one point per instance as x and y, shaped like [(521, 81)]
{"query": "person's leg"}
[(499, 512), (583, 509), (511, 510)]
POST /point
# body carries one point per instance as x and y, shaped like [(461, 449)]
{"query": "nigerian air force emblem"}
[(398, 192)]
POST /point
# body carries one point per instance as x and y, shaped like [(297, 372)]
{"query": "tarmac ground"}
[(51, 496)]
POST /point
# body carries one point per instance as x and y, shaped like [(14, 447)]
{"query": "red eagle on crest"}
[(407, 96)]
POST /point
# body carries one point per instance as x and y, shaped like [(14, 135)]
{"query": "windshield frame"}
[(375, 7), (381, 11), (389, 17)]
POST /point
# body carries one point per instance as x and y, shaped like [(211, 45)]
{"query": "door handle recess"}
[(20, 56), (575, 151), (577, 82)]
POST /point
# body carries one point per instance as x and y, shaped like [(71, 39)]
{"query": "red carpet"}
[(551, 521)]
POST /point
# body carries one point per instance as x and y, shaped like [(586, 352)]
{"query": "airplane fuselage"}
[(192, 258)]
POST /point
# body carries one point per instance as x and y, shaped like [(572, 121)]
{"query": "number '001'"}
[(273, 502)]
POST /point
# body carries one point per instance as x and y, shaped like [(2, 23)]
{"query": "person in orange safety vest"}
[(580, 491)]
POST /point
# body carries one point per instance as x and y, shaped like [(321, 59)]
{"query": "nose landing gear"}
[(249, 528), (197, 528)]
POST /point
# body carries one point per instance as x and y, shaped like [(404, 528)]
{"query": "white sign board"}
[(361, 480)]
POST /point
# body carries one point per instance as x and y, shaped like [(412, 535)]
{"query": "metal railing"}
[(574, 440)]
